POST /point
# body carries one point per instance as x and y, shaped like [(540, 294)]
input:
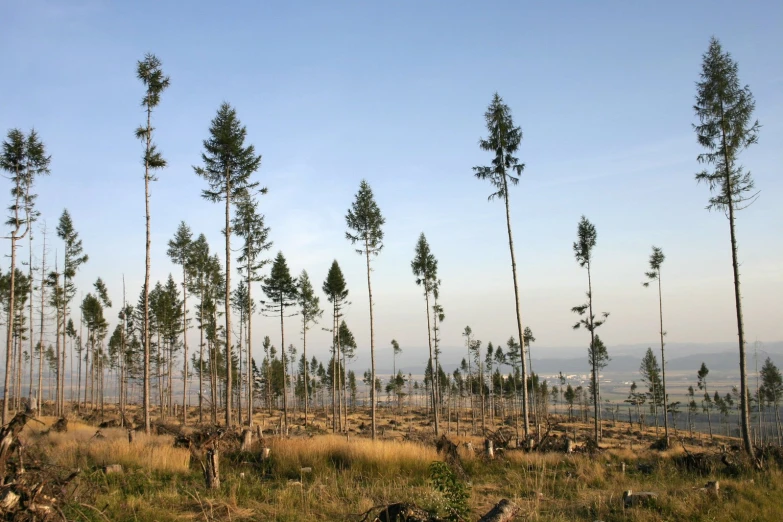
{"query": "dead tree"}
[(211, 469)]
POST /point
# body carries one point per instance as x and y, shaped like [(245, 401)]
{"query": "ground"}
[(315, 475)]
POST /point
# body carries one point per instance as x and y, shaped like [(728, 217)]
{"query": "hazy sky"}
[(395, 92)]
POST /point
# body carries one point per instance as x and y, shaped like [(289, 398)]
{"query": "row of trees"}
[(725, 128)]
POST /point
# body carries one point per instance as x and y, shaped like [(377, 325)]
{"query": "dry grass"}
[(79, 448), (350, 476), (326, 452)]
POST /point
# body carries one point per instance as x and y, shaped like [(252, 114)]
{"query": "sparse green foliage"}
[(150, 72), (455, 493), (583, 252)]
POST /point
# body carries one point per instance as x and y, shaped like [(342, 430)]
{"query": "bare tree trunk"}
[(663, 365), (41, 333), (372, 338), (212, 469), (58, 409), (283, 364), (146, 326), (201, 359), (228, 299), (10, 328), (304, 355), (433, 375), (596, 401), (185, 342), (525, 413), (32, 327), (250, 353)]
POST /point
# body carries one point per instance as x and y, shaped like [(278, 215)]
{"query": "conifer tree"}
[(337, 294), (24, 158), (583, 252), (503, 141), (150, 72), (425, 268), (310, 309), (281, 289), (706, 400), (199, 261), (347, 348), (527, 340), (179, 252), (772, 391), (249, 225), (396, 350), (654, 275), (725, 109), (365, 221), (74, 258), (228, 165)]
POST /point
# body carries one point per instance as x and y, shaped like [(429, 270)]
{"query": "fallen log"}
[(503, 511)]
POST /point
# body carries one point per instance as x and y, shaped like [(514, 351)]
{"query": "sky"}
[(395, 92)]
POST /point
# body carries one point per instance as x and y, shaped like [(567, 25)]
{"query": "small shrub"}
[(454, 491)]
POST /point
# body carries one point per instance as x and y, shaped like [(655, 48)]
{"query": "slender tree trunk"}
[(228, 300), (10, 327), (58, 405), (146, 326), (596, 402), (663, 365), (250, 352), (123, 382), (30, 310), (39, 397), (745, 415), (185, 342), (432, 363), (335, 333), (201, 358), (304, 354), (525, 413), (283, 364), (61, 374), (372, 337)]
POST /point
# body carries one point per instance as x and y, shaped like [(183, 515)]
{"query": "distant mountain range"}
[(722, 359)]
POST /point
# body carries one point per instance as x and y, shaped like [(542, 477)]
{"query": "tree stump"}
[(503, 511), (112, 468), (8, 439), (212, 469), (265, 452), (61, 426), (489, 449), (131, 435), (569, 446), (247, 440)]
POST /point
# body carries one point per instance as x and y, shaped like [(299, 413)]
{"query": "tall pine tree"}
[(150, 72), (726, 127), (228, 165), (503, 141), (365, 223)]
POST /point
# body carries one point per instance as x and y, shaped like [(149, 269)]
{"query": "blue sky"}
[(394, 92)]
